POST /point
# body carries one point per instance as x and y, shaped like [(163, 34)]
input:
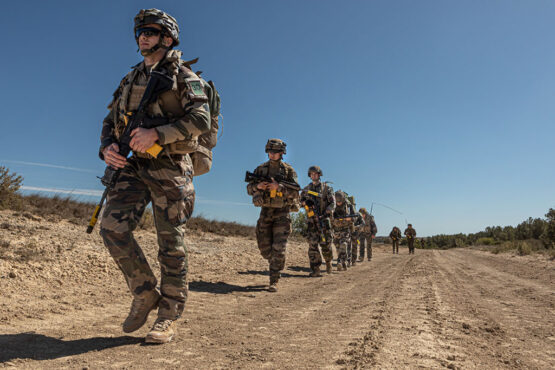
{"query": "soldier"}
[(277, 198), (343, 223), (410, 233), (176, 119), (368, 234), (352, 248), (395, 236), (318, 198)]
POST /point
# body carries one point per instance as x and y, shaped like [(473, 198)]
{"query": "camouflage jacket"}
[(341, 211), (395, 234), (325, 203), (285, 197), (182, 113), (370, 225), (410, 232)]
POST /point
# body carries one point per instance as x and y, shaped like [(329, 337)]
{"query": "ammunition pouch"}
[(342, 223), (202, 160)]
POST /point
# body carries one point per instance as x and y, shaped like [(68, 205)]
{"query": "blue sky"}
[(442, 110)]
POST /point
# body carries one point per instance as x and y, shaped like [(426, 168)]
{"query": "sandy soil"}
[(62, 302)]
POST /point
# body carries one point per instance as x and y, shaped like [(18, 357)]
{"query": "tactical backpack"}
[(202, 157)]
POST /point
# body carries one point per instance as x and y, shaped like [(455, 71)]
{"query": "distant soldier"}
[(352, 249), (277, 192), (423, 243), (319, 201), (343, 223), (368, 234), (410, 233), (395, 236)]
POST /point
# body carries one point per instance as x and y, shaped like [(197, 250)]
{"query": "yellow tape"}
[(94, 218), (154, 150)]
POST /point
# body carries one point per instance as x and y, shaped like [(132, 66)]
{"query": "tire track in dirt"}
[(505, 314)]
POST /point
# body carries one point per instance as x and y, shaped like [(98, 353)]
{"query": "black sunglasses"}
[(147, 31)]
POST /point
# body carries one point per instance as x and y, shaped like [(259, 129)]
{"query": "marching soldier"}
[(410, 233), (343, 224), (277, 192), (368, 234), (319, 201), (395, 236), (175, 121)]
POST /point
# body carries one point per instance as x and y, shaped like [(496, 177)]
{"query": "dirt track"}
[(62, 306)]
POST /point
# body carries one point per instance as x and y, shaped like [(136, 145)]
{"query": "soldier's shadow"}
[(223, 288), (265, 272), (42, 347)]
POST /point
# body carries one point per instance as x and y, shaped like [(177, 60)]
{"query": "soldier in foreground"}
[(319, 201), (274, 187), (173, 122), (410, 233), (368, 234), (395, 236), (343, 223)]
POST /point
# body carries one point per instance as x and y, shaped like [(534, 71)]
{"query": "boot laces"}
[(162, 324)]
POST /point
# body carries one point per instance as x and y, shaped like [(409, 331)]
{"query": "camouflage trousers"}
[(352, 248), (410, 242), (365, 243), (342, 239), (314, 239), (395, 246), (272, 230), (169, 187)]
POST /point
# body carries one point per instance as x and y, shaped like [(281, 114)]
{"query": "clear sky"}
[(442, 110)]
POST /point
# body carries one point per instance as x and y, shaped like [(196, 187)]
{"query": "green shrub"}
[(9, 185), (485, 241), (523, 248)]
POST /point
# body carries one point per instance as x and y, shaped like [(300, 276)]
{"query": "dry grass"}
[(35, 207)]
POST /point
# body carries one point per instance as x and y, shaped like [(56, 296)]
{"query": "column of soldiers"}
[(179, 122), (331, 216), (410, 234)]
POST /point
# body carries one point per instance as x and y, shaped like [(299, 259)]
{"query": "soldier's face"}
[(148, 42), (274, 156), (314, 176)]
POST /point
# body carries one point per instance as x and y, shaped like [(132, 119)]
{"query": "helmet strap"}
[(153, 49)]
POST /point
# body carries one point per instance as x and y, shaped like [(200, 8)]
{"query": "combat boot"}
[(140, 308), (315, 272), (344, 266), (354, 262), (328, 267), (273, 284), (161, 332), (339, 266)]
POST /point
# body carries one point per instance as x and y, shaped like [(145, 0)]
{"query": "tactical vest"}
[(168, 105), (281, 200)]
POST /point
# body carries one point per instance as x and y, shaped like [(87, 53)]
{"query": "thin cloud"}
[(88, 192), (50, 166)]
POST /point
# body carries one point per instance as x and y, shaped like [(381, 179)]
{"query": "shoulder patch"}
[(196, 91)]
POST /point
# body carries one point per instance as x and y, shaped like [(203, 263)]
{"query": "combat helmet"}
[(315, 169), (275, 146), (363, 210), (155, 16), (340, 196)]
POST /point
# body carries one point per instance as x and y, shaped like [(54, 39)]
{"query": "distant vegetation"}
[(534, 234), (78, 212)]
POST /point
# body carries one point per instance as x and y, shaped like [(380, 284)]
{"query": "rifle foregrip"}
[(93, 220), (154, 150)]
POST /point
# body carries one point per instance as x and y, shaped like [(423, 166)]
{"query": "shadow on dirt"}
[(266, 273), (223, 288), (41, 347), (299, 268)]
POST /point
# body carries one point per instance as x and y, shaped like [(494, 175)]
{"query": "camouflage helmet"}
[(363, 210), (155, 16), (275, 146), (339, 196), (315, 169)]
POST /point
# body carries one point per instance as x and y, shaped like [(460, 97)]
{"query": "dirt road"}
[(62, 306)]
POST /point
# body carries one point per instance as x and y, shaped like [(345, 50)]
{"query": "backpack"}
[(202, 157)]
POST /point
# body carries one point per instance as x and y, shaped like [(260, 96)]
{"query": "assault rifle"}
[(312, 207), (157, 84), (252, 177)]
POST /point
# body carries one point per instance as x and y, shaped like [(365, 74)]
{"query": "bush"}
[(523, 248), (298, 224), (9, 185), (548, 235), (485, 241)]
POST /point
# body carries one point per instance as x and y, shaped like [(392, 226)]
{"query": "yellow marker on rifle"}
[(313, 193), (153, 150), (274, 193), (309, 211)]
